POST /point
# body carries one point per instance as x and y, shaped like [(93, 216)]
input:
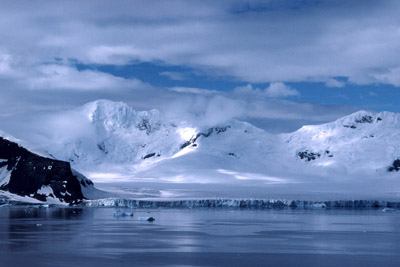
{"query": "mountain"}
[(29, 172), (118, 134), (363, 142), (121, 144)]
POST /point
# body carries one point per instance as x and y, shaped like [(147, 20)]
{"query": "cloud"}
[(176, 76), (280, 90), (54, 76), (334, 83), (250, 41), (191, 90), (5, 65), (115, 55), (389, 76), (274, 90), (221, 109)]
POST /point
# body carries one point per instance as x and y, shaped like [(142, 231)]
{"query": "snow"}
[(45, 190), (24, 199), (187, 133), (50, 196), (34, 149), (4, 176), (365, 149)]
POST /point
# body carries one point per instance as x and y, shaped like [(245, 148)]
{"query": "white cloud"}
[(334, 83), (389, 76), (53, 76), (274, 90), (279, 89), (191, 90), (221, 109), (116, 55), (5, 64)]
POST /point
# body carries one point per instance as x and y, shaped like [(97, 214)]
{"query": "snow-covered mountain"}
[(362, 142), (120, 142), (117, 135)]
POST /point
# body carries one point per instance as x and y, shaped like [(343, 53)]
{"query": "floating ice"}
[(120, 213)]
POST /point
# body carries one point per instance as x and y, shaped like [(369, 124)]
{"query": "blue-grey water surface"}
[(32, 236)]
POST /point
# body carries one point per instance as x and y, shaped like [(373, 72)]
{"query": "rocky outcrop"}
[(216, 130), (27, 174), (395, 166), (308, 155)]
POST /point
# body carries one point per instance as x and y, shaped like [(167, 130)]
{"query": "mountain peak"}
[(111, 115)]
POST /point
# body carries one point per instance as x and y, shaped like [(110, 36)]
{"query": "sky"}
[(278, 64)]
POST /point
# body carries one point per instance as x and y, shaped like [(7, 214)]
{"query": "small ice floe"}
[(120, 213), (39, 225), (5, 205), (388, 210), (318, 205), (146, 218), (44, 206)]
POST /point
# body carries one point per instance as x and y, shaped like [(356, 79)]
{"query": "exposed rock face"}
[(395, 166), (27, 174), (365, 119), (193, 140), (309, 156)]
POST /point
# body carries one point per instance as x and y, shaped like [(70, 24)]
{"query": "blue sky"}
[(374, 96), (277, 63)]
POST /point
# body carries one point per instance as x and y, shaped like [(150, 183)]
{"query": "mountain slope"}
[(362, 142)]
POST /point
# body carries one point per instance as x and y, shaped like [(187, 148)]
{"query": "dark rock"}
[(144, 125), (395, 166), (29, 172), (378, 119), (307, 155), (102, 147), (350, 126), (210, 131), (150, 155), (364, 119), (187, 143), (151, 219)]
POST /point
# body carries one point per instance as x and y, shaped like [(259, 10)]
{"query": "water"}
[(198, 237)]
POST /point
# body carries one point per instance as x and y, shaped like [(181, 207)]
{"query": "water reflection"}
[(31, 227)]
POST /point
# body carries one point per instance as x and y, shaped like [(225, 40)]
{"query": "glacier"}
[(244, 204)]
